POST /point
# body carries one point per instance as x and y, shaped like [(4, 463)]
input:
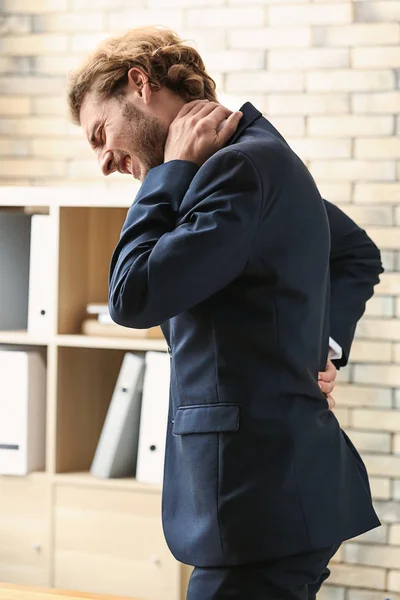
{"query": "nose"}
[(107, 163)]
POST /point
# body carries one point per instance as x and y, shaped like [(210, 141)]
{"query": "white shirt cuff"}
[(335, 351)]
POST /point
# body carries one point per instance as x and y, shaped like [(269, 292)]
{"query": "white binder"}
[(153, 421), (41, 283), (116, 452), (22, 412)]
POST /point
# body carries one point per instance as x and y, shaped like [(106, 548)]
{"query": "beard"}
[(148, 136)]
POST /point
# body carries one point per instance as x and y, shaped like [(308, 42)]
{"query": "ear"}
[(138, 83)]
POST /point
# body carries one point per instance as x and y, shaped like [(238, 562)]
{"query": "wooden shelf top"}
[(89, 196), (123, 343), (22, 338), (9, 591), (87, 480)]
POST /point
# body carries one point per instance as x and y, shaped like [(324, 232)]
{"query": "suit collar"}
[(250, 114)]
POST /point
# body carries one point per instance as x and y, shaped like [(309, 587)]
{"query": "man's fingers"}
[(329, 374), (326, 387), (193, 106), (331, 402), (229, 127)]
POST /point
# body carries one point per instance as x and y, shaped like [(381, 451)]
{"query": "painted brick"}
[(354, 575), (394, 535), (230, 17), (369, 351), (351, 80), (396, 444), (69, 22), (349, 125), (34, 44), (32, 126), (390, 283), (380, 306), (375, 57), (368, 595), (379, 535), (378, 103), (16, 65), (376, 556), (308, 148), (342, 415), (388, 259), (386, 465), (290, 126), (86, 42), (49, 106), (375, 374), (11, 147), (388, 147), (370, 441), (83, 5), (396, 491), (362, 396), (310, 14), (16, 24), (225, 61), (393, 584), (380, 488), (118, 19), (38, 6), (377, 11), (309, 58), (14, 105), (183, 3), (383, 329), (61, 148), (84, 169), (397, 219), (264, 81), (353, 170), (31, 168), (385, 237), (370, 215), (56, 65), (376, 193), (205, 40), (308, 104), (356, 34), (331, 592), (31, 86), (271, 37), (335, 192)]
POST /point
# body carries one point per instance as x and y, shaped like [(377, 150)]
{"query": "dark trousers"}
[(297, 577)]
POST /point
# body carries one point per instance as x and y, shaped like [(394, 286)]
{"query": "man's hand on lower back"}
[(326, 381), (196, 132)]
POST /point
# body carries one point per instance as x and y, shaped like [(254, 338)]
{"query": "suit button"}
[(169, 350)]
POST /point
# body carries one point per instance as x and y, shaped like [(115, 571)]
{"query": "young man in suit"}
[(230, 247)]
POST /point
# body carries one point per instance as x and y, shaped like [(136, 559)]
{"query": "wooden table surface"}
[(15, 592)]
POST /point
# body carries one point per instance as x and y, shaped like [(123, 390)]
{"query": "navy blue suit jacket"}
[(248, 270)]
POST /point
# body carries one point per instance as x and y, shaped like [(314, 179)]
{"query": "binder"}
[(22, 412), (153, 421), (116, 451), (41, 282), (15, 235)]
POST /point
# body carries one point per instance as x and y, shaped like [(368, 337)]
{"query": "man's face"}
[(124, 137)]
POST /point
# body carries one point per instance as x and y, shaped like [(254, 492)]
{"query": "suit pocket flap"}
[(206, 418)]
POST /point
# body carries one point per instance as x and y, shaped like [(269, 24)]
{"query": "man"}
[(230, 248)]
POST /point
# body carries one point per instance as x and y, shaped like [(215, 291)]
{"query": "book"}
[(116, 451), (40, 297)]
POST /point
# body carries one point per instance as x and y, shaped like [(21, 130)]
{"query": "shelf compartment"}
[(88, 237), (134, 344)]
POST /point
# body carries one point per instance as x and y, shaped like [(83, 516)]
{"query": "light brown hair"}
[(166, 59)]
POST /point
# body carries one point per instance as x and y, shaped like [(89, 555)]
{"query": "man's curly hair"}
[(166, 59)]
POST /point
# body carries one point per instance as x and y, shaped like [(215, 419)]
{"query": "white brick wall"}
[(327, 74)]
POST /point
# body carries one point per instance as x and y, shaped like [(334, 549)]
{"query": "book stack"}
[(100, 323)]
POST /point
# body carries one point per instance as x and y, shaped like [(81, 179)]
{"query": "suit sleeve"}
[(355, 266), (163, 265)]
